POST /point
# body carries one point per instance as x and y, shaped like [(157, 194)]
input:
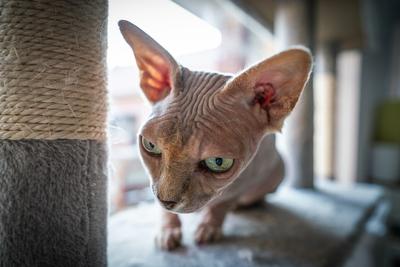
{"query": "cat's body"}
[(209, 144)]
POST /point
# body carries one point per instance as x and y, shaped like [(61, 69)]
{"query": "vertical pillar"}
[(325, 111), (53, 207), (293, 26)]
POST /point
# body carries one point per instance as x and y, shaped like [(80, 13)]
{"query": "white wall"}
[(347, 112)]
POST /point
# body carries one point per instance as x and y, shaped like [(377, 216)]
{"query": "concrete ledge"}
[(296, 228)]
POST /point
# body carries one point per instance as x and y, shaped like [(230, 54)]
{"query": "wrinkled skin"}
[(198, 115)]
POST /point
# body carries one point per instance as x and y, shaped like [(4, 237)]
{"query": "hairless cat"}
[(209, 142)]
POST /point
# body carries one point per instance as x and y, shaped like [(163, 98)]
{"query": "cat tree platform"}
[(296, 228)]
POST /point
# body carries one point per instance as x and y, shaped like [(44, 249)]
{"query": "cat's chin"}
[(183, 209)]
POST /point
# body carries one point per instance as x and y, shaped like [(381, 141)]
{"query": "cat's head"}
[(205, 127)]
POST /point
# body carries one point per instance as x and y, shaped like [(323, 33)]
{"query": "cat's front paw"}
[(169, 238), (207, 233)]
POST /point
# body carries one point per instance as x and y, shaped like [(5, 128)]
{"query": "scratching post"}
[(52, 133)]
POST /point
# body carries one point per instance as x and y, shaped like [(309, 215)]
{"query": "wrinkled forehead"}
[(188, 117), (188, 102), (195, 139), (200, 81)]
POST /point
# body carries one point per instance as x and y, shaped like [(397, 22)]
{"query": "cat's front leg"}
[(210, 228), (170, 234)]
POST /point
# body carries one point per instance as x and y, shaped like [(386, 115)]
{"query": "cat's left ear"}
[(157, 67), (271, 88)]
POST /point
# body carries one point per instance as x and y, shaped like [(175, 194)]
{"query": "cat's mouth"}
[(185, 204)]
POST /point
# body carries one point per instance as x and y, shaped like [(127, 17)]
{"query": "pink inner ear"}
[(264, 94), (155, 80)]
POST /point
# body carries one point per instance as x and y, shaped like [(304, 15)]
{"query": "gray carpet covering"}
[(52, 203), (296, 228)]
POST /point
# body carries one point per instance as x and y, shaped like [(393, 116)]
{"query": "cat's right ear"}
[(157, 67), (272, 87)]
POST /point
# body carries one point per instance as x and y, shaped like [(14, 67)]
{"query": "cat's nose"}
[(169, 204)]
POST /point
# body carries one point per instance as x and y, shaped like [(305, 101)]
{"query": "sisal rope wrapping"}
[(52, 69)]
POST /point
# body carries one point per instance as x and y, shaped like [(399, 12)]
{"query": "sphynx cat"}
[(208, 144)]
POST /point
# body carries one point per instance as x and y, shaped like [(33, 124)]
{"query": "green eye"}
[(216, 164), (150, 147)]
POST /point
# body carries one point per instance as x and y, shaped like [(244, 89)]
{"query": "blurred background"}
[(346, 128)]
